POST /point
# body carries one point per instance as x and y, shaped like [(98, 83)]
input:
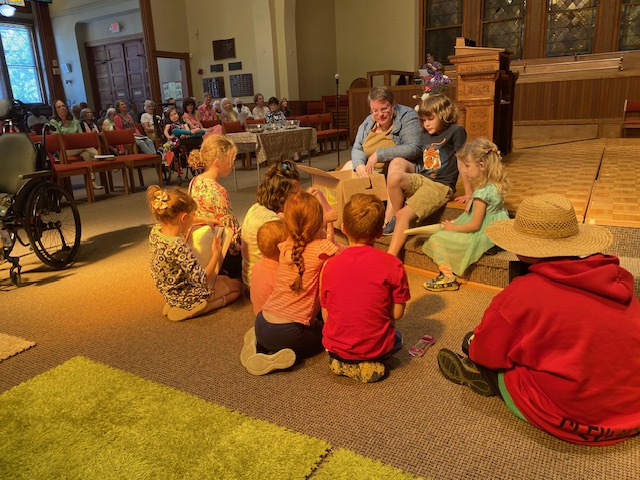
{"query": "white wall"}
[(293, 48), (376, 35)]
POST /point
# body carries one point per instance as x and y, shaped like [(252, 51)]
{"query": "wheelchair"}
[(35, 211), (175, 157)]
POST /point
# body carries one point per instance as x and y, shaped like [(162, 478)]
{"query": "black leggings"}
[(306, 341)]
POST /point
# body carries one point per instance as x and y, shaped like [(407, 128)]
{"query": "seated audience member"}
[(206, 110), (363, 291), (560, 344), (36, 118), (431, 65), (274, 115), (191, 117), (416, 195), (227, 113), (87, 123), (265, 271), (217, 107), (241, 110), (284, 106), (133, 110), (124, 121), (149, 120), (63, 123), (260, 110), (170, 103), (75, 110), (108, 123)]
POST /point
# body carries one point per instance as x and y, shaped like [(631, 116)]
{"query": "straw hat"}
[(546, 226)]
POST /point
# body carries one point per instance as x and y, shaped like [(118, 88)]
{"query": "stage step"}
[(493, 270)]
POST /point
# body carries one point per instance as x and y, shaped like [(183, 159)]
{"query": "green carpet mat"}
[(86, 420)]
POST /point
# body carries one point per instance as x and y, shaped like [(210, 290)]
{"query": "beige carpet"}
[(10, 346), (105, 308)]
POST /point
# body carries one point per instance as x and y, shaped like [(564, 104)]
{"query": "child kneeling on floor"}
[(363, 291), (178, 276), (290, 323)]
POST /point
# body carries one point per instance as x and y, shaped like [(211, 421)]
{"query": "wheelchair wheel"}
[(53, 225), (166, 174)]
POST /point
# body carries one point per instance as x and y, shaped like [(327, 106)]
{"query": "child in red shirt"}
[(363, 292)]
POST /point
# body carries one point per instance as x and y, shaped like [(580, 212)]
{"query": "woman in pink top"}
[(123, 121), (191, 117)]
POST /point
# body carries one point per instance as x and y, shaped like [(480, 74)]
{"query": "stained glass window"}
[(443, 26), (571, 24), (19, 56), (630, 25), (503, 25)]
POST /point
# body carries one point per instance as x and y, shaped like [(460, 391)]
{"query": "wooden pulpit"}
[(485, 90)]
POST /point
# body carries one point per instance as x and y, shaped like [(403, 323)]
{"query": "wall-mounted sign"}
[(224, 49), (218, 67), (235, 66), (241, 85)]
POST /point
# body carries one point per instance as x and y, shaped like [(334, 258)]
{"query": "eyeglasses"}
[(381, 111)]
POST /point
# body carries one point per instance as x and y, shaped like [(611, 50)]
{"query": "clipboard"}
[(200, 238)]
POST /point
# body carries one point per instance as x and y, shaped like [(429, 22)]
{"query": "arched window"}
[(443, 24), (503, 25)]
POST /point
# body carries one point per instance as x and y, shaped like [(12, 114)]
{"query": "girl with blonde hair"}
[(216, 157), (461, 242), (178, 275)]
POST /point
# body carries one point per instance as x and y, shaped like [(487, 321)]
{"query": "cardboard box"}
[(339, 187)]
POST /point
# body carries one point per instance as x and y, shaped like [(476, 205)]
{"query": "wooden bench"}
[(526, 69)]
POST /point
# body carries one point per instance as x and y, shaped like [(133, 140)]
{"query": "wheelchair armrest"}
[(41, 173)]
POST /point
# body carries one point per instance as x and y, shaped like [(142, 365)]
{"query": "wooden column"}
[(485, 88)]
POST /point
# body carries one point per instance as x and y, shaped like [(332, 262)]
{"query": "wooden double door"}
[(118, 72)]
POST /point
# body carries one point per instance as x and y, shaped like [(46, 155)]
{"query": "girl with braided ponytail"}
[(290, 318), (178, 276)]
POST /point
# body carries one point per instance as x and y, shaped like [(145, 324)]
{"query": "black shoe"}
[(462, 370)]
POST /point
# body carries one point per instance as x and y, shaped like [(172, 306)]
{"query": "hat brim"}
[(589, 240)]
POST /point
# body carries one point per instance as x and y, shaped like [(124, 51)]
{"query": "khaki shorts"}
[(425, 196)]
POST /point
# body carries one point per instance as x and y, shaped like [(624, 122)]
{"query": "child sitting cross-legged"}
[(363, 291)]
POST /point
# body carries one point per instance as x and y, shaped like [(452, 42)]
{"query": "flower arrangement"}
[(436, 84)]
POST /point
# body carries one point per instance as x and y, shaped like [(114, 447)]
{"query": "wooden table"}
[(276, 143)]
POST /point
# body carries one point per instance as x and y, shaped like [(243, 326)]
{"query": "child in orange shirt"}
[(265, 270)]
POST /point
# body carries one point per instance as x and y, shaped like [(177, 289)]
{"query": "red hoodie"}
[(567, 337)]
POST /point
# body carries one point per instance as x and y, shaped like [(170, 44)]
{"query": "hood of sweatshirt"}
[(598, 274)]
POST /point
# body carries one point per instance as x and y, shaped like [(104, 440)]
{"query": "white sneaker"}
[(97, 187)]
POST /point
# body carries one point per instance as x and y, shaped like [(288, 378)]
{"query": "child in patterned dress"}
[(217, 156), (462, 241), (178, 276)]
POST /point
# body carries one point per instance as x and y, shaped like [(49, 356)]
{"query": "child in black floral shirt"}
[(178, 276)]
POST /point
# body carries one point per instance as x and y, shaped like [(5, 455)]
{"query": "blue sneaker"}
[(389, 227)]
